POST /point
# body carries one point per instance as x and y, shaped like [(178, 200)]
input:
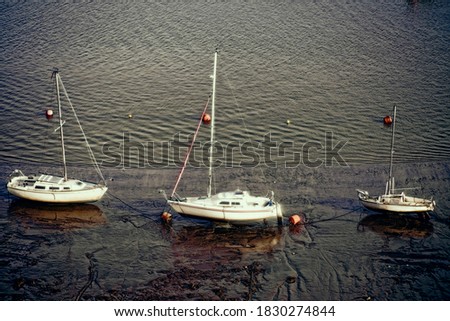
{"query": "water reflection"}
[(53, 216), (224, 243), (215, 263), (397, 225)]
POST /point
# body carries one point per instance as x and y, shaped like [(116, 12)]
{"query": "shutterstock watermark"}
[(130, 153)]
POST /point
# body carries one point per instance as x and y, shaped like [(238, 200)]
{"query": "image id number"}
[(295, 311)]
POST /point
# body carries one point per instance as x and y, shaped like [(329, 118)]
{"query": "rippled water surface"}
[(139, 76)]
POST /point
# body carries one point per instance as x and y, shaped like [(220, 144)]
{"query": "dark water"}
[(330, 68)]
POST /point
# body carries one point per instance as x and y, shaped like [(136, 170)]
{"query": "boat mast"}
[(211, 149), (57, 80), (390, 186)]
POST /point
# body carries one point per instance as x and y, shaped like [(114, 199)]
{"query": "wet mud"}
[(120, 249)]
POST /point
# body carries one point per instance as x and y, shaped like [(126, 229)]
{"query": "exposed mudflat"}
[(119, 249)]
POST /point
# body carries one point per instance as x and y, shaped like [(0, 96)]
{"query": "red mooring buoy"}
[(166, 217), (206, 119), (49, 114), (387, 120), (295, 219)]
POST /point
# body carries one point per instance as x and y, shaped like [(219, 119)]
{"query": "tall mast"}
[(57, 80), (391, 178), (213, 103)]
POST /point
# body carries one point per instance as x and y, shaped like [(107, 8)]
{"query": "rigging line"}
[(331, 218), (128, 205), (247, 132), (138, 211), (91, 153), (125, 203), (186, 158)]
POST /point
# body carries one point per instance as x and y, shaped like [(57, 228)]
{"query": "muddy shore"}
[(118, 249)]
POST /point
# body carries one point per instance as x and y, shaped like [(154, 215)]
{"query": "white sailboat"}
[(234, 207), (391, 201), (53, 188)]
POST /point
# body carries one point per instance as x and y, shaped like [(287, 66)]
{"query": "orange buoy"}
[(166, 217), (295, 219), (387, 120), (49, 113), (206, 119)]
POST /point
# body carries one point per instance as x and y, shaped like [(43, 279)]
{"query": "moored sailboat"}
[(55, 188), (392, 201), (235, 207)]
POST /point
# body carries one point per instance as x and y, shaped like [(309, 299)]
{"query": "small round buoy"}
[(288, 121), (206, 119), (49, 113), (295, 219), (387, 120), (166, 217), (130, 116)]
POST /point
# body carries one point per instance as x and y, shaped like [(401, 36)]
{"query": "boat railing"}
[(174, 197)]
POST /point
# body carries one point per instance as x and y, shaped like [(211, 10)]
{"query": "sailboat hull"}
[(54, 189), (222, 214), (398, 203), (246, 209)]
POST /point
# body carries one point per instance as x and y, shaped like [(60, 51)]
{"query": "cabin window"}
[(224, 203), (239, 193), (39, 187), (54, 188), (66, 187), (235, 203), (28, 183)]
